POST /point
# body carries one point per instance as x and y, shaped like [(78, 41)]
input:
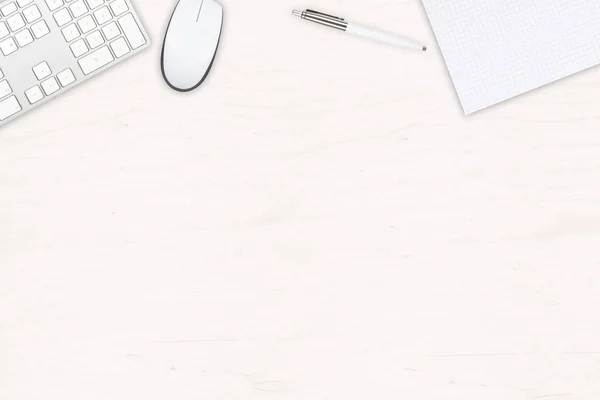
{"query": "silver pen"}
[(359, 30)]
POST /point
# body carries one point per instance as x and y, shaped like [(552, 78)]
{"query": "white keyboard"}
[(49, 46)]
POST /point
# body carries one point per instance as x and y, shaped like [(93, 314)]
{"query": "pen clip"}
[(328, 16)]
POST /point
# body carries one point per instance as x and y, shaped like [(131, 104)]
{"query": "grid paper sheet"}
[(499, 49)]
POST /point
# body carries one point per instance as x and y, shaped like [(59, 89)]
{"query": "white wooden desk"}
[(317, 221)]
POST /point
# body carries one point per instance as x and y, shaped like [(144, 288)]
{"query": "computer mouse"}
[(191, 43)]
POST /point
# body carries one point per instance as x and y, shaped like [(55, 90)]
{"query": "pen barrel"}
[(382, 37)]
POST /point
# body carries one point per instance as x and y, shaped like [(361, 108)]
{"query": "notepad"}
[(498, 49)]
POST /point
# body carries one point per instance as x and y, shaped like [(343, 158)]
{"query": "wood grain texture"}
[(317, 221)]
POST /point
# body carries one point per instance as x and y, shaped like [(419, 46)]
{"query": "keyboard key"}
[(95, 39), (54, 4), (15, 22), (23, 3), (62, 17), (9, 107), (111, 31), (50, 86), (5, 89), (42, 70), (1, 74), (32, 13), (70, 32), (40, 29), (119, 47), (86, 24), (8, 46), (102, 15), (34, 94), (96, 60), (4, 32), (66, 77), (78, 8), (118, 7), (132, 31), (24, 37), (94, 3), (79, 48), (8, 9)]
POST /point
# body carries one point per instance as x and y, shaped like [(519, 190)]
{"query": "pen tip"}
[(297, 13), (424, 48)]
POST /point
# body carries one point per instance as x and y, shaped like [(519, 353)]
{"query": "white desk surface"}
[(317, 221)]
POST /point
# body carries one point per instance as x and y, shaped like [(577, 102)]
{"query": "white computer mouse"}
[(191, 42)]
